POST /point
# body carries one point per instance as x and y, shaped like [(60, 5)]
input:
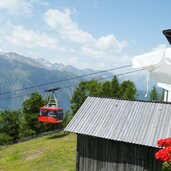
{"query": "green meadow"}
[(56, 152)]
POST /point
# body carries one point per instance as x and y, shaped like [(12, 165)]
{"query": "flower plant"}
[(164, 154)]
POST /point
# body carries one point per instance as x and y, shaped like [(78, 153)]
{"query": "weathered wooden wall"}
[(97, 154)]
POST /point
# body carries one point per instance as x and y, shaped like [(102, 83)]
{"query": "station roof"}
[(137, 122)]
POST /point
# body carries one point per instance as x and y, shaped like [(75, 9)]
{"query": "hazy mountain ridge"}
[(14, 57), (64, 68), (18, 72)]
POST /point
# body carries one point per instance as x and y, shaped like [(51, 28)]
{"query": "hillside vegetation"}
[(50, 153)]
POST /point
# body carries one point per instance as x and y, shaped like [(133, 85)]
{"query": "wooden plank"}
[(97, 154)]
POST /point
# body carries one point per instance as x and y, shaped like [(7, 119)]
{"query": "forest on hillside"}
[(16, 124)]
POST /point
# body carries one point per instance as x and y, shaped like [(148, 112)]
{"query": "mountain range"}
[(19, 73)]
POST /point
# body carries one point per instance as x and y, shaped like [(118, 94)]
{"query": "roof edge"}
[(159, 102)]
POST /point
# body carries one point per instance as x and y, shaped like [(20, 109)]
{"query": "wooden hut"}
[(119, 135)]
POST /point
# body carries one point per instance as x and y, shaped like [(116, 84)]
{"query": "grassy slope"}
[(50, 153)]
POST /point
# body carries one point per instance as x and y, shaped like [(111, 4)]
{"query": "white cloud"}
[(61, 22), (16, 6), (159, 47), (2, 50), (29, 38), (110, 42), (87, 51), (76, 62), (72, 60)]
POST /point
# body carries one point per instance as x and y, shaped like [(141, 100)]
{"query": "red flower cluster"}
[(164, 142), (165, 153)]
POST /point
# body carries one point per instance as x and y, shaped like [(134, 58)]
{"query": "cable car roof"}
[(50, 108)]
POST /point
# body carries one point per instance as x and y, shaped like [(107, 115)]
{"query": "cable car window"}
[(59, 114), (51, 113), (43, 112)]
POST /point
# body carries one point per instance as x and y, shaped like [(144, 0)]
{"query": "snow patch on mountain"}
[(12, 57)]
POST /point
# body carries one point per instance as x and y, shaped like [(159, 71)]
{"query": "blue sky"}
[(98, 34)]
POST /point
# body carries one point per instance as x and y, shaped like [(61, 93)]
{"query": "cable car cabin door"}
[(51, 115)]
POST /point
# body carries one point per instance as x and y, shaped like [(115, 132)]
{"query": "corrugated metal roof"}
[(136, 122)]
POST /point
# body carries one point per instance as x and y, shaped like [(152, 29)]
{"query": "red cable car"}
[(51, 113)]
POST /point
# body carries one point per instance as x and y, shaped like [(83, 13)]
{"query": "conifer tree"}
[(115, 87), (106, 89), (128, 90), (84, 89), (154, 95)]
